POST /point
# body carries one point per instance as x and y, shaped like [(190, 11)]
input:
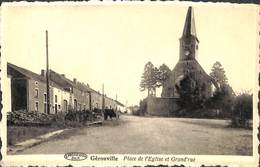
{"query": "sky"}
[(110, 44)]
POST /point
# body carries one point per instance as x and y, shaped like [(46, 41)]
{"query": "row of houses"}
[(28, 92)]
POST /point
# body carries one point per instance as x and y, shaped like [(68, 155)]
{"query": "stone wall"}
[(162, 106)]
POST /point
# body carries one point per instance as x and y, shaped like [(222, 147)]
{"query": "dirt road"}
[(133, 134)]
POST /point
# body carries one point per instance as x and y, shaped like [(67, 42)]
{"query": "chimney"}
[(42, 72), (63, 75), (75, 80)]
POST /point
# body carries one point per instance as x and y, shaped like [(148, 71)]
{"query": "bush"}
[(243, 110), (24, 118), (143, 107), (223, 101)]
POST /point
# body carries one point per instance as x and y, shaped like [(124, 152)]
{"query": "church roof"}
[(189, 26), (192, 65)]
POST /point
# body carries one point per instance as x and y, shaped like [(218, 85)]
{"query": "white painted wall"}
[(61, 96)]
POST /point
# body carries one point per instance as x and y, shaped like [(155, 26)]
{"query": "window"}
[(55, 108), (56, 99), (45, 97), (36, 93), (45, 103), (75, 104), (59, 107), (36, 83), (37, 106), (45, 107)]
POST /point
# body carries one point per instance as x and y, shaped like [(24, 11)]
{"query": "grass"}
[(16, 134)]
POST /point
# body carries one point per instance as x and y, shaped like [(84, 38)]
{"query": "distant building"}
[(120, 107)]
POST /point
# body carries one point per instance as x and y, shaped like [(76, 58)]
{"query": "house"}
[(28, 92), (120, 107), (96, 99), (79, 98)]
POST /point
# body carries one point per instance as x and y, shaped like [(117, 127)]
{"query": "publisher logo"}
[(75, 156)]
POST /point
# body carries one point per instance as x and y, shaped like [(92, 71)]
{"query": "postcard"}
[(129, 84)]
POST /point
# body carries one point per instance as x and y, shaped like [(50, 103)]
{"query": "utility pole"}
[(47, 75), (103, 98), (90, 101)]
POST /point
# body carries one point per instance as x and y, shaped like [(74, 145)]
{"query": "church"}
[(188, 64)]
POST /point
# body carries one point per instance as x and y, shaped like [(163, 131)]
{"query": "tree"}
[(149, 79), (163, 74), (223, 100), (191, 93), (223, 97), (218, 74)]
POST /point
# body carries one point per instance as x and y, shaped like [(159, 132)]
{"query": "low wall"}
[(162, 106)]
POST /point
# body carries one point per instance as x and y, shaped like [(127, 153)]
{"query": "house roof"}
[(56, 79), (119, 103), (29, 74), (65, 82), (26, 73)]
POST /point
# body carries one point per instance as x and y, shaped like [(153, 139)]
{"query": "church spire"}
[(189, 26), (189, 41)]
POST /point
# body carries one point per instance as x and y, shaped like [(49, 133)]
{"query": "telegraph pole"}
[(103, 98), (90, 101), (47, 75)]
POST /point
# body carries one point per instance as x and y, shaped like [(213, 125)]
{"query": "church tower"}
[(187, 63), (189, 41)]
